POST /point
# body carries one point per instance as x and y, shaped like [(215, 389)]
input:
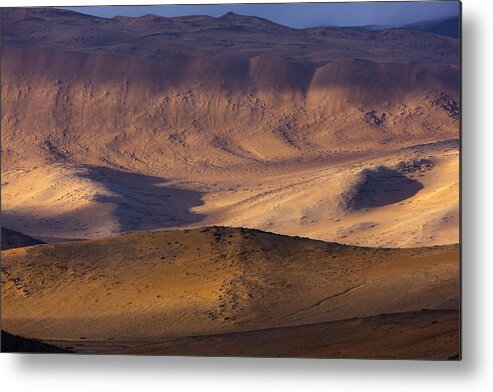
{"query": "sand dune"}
[(148, 288)]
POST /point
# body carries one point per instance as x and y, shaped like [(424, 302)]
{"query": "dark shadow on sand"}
[(380, 187), (145, 202)]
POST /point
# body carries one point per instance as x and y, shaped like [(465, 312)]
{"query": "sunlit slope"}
[(213, 280)]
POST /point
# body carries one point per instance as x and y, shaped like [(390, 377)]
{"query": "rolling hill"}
[(234, 291)]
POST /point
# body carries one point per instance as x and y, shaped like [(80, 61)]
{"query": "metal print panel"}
[(266, 180)]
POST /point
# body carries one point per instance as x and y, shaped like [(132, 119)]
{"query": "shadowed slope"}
[(13, 239), (410, 335), (144, 202), (17, 344)]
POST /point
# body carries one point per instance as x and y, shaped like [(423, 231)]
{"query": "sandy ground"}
[(407, 197)]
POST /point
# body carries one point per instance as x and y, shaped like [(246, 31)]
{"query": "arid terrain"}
[(191, 154)]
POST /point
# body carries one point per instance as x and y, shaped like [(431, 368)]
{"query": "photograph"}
[(276, 180)]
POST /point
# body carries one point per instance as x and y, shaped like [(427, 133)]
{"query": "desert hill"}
[(118, 125), (156, 292)]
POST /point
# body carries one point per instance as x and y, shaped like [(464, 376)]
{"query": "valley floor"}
[(404, 197)]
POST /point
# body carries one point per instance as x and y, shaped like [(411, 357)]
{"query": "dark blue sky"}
[(301, 15)]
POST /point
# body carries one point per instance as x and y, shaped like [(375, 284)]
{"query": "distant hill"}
[(370, 27), (449, 27)]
